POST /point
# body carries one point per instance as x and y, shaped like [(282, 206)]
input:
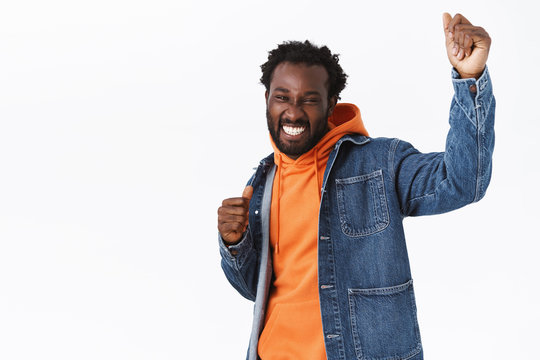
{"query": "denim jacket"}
[(370, 185)]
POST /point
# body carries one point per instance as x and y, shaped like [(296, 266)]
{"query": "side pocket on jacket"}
[(384, 323)]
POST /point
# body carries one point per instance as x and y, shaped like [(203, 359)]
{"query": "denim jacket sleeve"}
[(434, 183), (239, 263)]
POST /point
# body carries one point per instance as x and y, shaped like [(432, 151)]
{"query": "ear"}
[(332, 102), (266, 96)]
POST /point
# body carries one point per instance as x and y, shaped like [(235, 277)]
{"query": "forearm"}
[(240, 265), (474, 99)]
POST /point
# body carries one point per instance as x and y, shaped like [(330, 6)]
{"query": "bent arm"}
[(435, 183)]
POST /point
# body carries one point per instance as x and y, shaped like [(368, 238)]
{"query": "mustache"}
[(299, 122)]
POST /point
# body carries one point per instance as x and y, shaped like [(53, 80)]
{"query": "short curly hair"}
[(305, 52)]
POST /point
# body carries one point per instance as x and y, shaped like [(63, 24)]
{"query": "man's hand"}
[(233, 216), (467, 45)]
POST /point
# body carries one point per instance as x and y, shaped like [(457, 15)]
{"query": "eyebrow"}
[(307, 93), (281, 89)]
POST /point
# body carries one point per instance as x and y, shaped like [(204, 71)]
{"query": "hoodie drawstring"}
[(316, 164), (279, 162)]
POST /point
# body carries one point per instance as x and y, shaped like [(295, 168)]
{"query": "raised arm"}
[(439, 182)]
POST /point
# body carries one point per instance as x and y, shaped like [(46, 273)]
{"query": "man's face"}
[(297, 107)]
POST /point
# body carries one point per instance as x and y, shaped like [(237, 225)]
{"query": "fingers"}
[(456, 20), (238, 201), (232, 221), (231, 233), (458, 30), (467, 45), (233, 216), (462, 40), (227, 209), (462, 37)]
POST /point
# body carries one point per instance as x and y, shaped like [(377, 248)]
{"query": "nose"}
[(294, 112)]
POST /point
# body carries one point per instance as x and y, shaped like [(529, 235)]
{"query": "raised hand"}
[(467, 45), (233, 217)]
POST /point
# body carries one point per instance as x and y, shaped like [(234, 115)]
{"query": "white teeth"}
[(293, 130)]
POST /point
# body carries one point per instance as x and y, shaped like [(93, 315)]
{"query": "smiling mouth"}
[(293, 130)]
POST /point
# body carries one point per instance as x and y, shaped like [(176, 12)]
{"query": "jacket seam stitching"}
[(238, 261), (479, 136), (433, 193), (463, 110), (244, 284), (391, 158)]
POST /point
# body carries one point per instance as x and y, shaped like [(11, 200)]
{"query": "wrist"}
[(466, 75), (230, 243)]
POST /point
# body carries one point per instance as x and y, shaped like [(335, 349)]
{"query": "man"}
[(316, 240)]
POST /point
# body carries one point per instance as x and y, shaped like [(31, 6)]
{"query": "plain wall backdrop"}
[(123, 124)]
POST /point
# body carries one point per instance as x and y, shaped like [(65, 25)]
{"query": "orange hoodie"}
[(293, 325)]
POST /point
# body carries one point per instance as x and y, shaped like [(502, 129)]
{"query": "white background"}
[(123, 124)]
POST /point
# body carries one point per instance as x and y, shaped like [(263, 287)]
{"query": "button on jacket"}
[(370, 185)]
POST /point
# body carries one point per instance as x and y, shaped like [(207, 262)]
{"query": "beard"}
[(296, 149)]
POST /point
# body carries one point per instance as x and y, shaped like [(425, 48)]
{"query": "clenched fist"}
[(467, 45), (233, 217)]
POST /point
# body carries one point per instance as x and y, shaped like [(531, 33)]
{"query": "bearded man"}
[(316, 239)]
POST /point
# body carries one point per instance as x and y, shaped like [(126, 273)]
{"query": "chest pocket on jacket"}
[(362, 204)]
